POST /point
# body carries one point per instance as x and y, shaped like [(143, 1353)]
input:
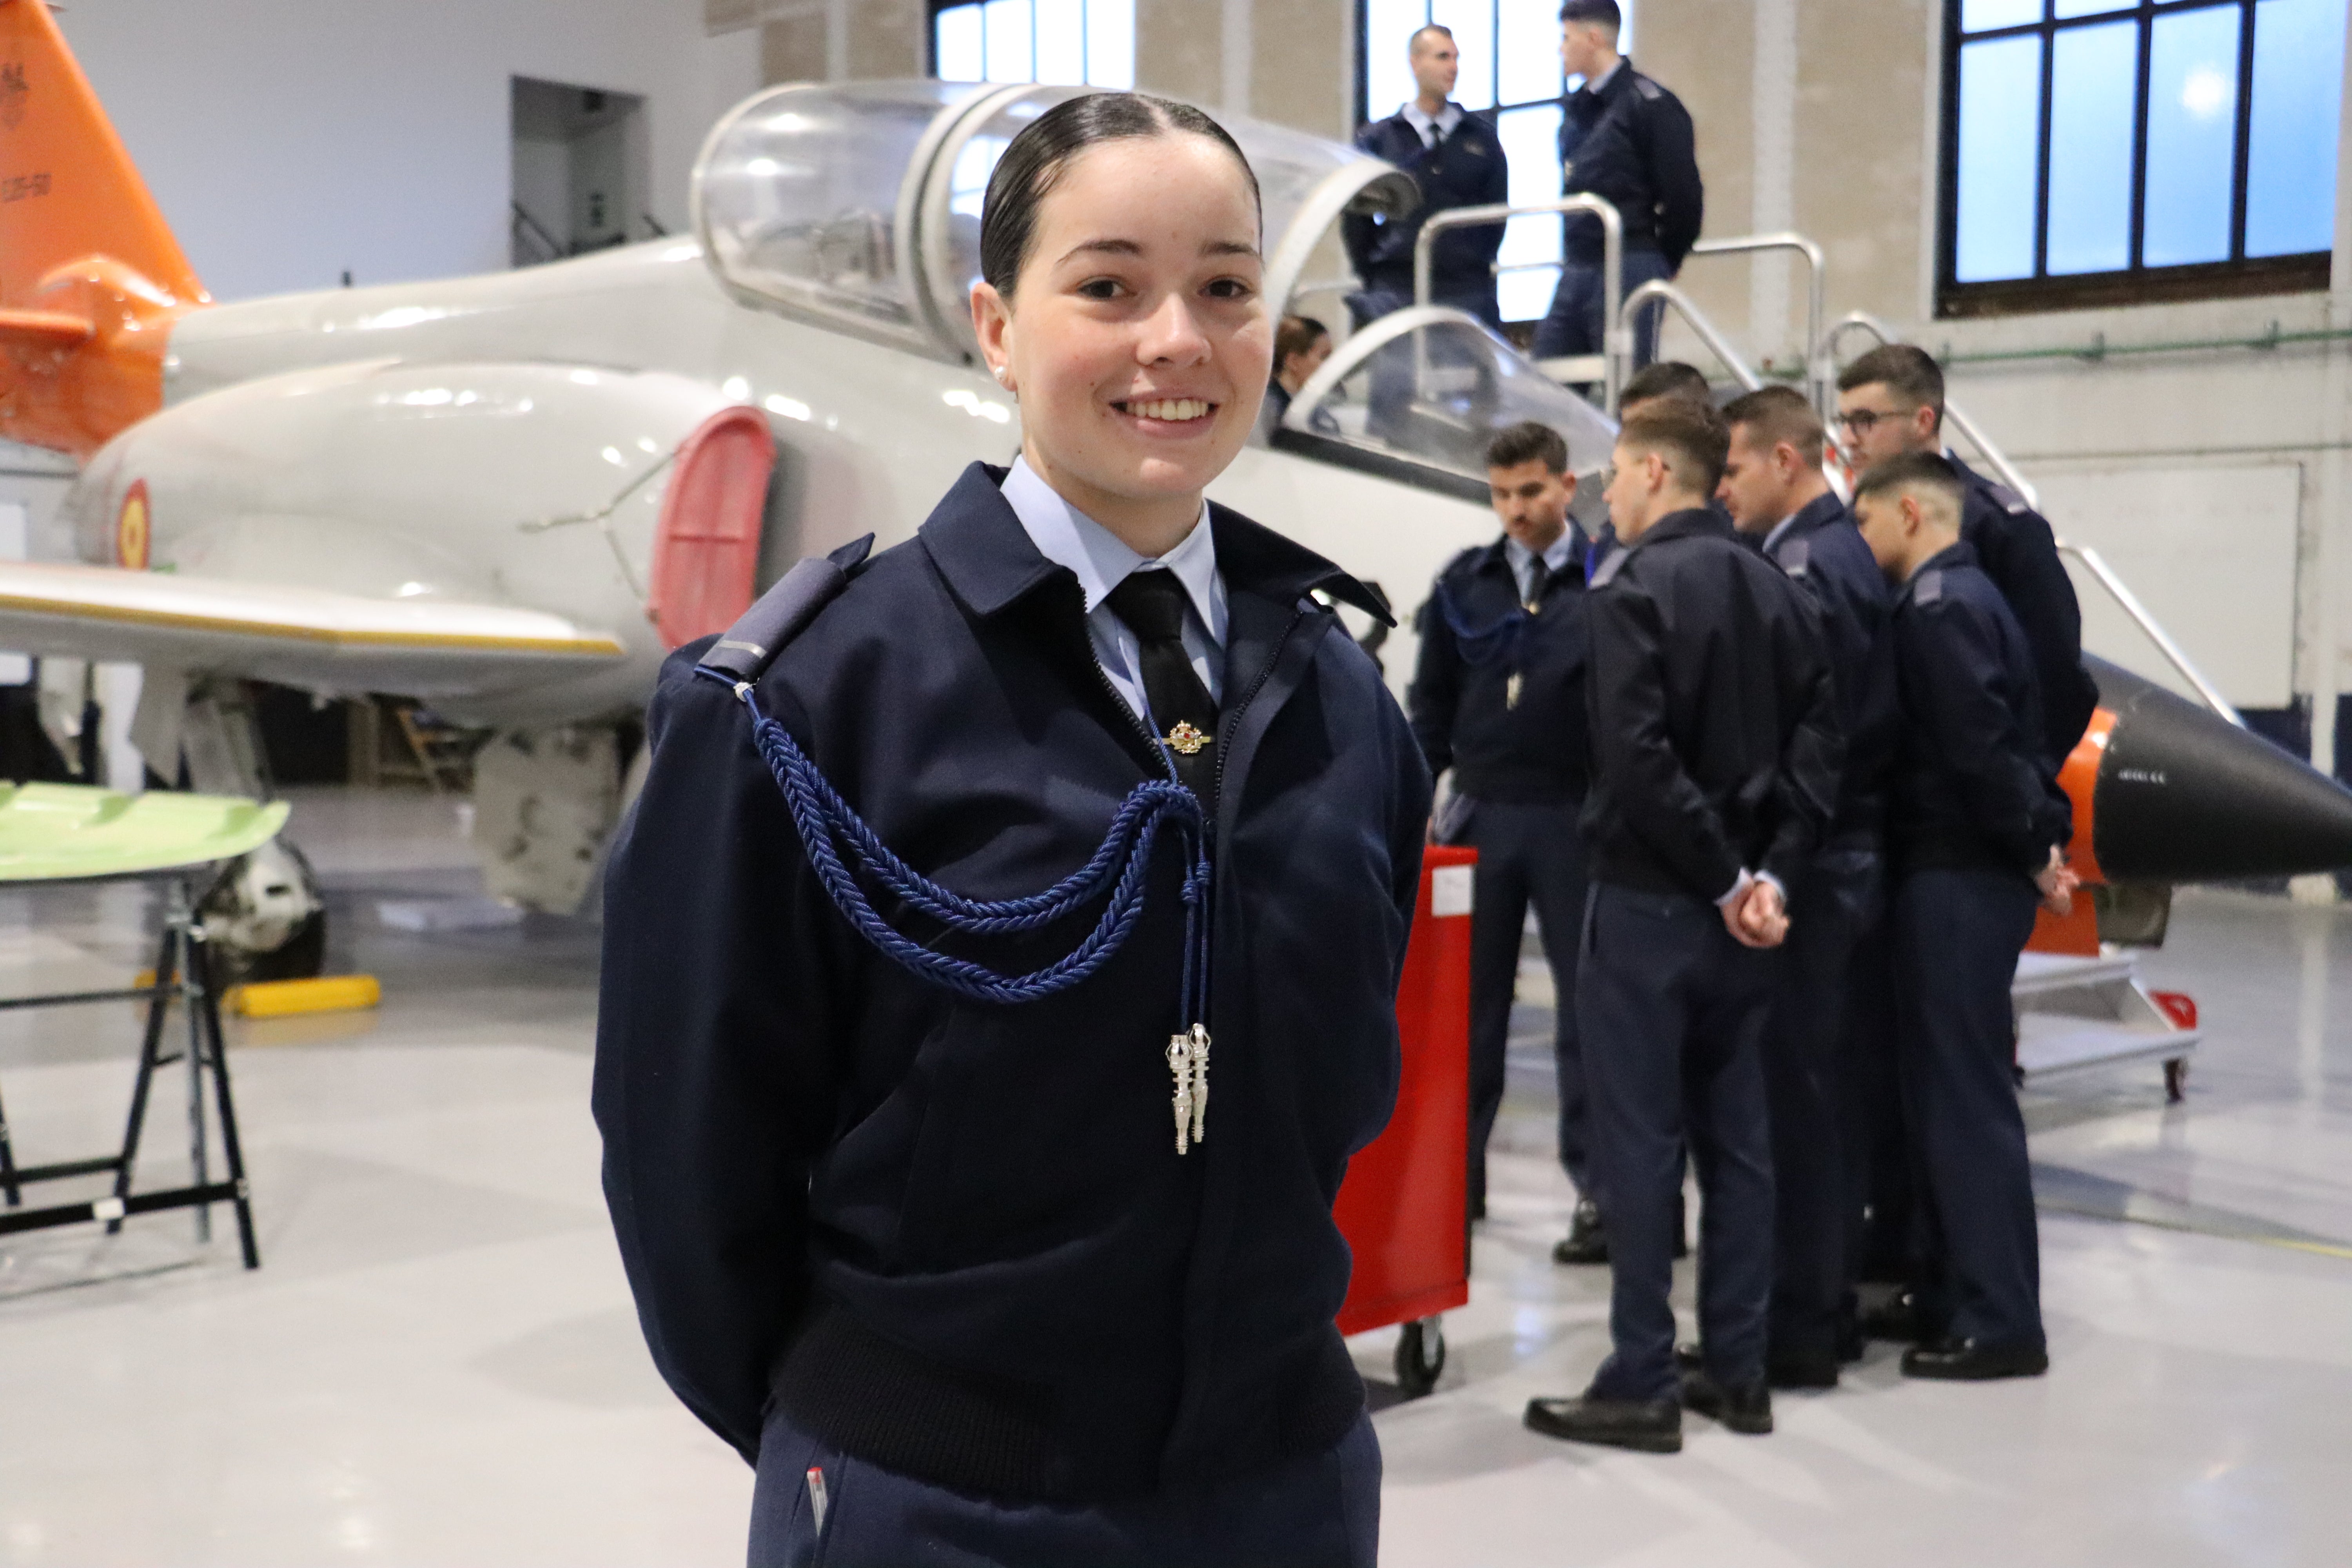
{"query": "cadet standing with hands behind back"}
[(1715, 756)]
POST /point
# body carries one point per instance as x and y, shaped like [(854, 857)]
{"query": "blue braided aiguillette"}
[(827, 826)]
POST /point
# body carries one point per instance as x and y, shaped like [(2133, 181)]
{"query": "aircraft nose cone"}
[(2184, 796)]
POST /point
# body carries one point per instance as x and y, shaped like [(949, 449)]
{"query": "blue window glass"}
[(1527, 53), (2192, 136), (1473, 22), (1061, 33), (2000, 87), (2298, 97), (1389, 27), (1975, 15), (2066, 8), (1110, 44), (1531, 253), (2093, 83), (1007, 28), (1070, 42), (956, 46)]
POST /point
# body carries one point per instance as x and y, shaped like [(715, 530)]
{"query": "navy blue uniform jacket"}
[(1631, 144), (1972, 788), (1474, 636), (955, 1238), (2015, 546), (1823, 551), (1714, 730), (1465, 169)]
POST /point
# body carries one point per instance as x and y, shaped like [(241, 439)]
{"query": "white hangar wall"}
[(291, 140)]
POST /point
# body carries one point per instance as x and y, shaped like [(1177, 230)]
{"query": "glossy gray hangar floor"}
[(438, 1363)]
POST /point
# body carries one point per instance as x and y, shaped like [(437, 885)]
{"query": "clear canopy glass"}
[(860, 202), (1436, 392), (798, 196)]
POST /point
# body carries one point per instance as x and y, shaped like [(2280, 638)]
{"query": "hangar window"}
[(2106, 150), (1510, 71), (1068, 43)]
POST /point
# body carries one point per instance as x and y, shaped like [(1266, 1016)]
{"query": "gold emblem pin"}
[(1185, 740)]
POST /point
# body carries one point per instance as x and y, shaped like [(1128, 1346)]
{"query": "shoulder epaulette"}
[(1611, 564), (2008, 500), (783, 612), (1647, 88), (1928, 587), (1794, 557)]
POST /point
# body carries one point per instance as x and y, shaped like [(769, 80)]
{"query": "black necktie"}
[(1538, 579), (1151, 602)]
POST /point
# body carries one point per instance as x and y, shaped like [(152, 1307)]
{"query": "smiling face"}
[(1138, 339)]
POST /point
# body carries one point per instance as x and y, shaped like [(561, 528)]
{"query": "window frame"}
[(931, 9), (2237, 276)]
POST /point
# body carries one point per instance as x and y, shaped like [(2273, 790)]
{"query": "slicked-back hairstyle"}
[(1691, 436), (1776, 414), (1597, 12), (1036, 161), (1412, 45), (1526, 442), (1926, 476), (1295, 335), (1665, 378), (1906, 370)]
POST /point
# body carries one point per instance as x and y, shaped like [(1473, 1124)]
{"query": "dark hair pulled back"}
[(1033, 163)]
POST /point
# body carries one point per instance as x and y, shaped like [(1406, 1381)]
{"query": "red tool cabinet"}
[(1404, 1208)]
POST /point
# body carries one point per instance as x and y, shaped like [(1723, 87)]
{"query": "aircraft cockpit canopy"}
[(1426, 390), (859, 203)]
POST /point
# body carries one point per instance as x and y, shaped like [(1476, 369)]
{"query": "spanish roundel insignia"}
[(132, 531)]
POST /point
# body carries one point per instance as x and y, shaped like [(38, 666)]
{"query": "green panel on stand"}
[(52, 832)]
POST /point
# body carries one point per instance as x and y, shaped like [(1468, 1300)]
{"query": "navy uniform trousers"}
[(1830, 908), (1526, 855), (1671, 1013), (1320, 1512), (1957, 938), (1574, 326)]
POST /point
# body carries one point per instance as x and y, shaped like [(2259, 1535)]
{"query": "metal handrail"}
[(2092, 561), (1612, 261), (1817, 362), (1995, 459), (2172, 651), (1658, 289)]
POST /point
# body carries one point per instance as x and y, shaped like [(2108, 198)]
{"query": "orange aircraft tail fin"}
[(90, 276)]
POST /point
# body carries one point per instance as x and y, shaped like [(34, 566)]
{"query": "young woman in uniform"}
[(910, 1140)]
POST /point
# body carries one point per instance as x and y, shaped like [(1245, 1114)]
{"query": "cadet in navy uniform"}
[(1716, 758), (1777, 496), (1891, 401), (1458, 162), (1499, 697), (900, 1150), (1977, 830), (1624, 138)]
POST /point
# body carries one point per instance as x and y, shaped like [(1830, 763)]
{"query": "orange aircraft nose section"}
[(91, 277)]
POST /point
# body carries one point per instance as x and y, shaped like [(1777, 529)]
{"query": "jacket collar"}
[(1698, 522), (1957, 554), (1815, 515), (990, 562)]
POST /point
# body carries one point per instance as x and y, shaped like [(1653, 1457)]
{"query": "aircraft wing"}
[(294, 635)]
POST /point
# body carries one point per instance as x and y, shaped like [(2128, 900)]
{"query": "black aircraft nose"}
[(2186, 796)]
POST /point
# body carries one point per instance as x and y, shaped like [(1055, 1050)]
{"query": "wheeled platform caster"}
[(1420, 1356)]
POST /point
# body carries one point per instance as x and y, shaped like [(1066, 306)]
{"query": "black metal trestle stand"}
[(184, 973)]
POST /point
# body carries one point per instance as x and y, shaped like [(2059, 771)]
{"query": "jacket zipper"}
[(1266, 672)]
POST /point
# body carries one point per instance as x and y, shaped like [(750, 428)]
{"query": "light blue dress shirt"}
[(1523, 560), (1069, 537), (1432, 130)]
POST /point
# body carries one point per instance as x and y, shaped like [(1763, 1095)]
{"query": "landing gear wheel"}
[(1420, 1356), (2176, 1080)]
